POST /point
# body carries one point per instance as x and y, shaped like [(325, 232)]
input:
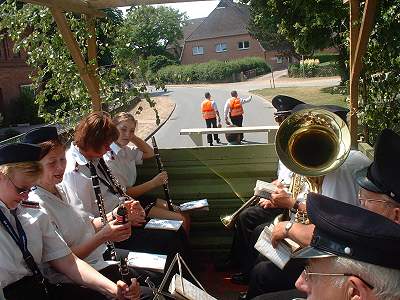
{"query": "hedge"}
[(212, 71), (322, 70)]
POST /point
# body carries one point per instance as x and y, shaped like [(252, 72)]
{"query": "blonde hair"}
[(123, 116), (30, 169)]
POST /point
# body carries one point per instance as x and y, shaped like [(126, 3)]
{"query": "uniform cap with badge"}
[(284, 104), (40, 135), (350, 231), (383, 176), (19, 152)]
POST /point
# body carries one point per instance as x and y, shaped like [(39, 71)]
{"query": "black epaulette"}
[(30, 204)]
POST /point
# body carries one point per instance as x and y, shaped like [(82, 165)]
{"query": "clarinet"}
[(161, 169), (102, 210)]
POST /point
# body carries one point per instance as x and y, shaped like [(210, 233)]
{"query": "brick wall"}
[(232, 52), (14, 72)]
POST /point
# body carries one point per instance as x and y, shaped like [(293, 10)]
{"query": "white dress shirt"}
[(77, 184), (122, 163), (44, 243), (74, 228)]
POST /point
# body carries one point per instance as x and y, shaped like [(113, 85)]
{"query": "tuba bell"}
[(312, 143)]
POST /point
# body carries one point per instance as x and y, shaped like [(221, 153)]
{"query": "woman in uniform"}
[(28, 239), (122, 161), (85, 236)]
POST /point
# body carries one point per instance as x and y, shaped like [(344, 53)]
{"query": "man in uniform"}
[(353, 253), (210, 114), (234, 109)]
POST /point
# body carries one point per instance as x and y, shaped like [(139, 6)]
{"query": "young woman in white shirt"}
[(85, 236), (122, 161)]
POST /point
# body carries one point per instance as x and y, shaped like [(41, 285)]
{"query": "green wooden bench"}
[(226, 176)]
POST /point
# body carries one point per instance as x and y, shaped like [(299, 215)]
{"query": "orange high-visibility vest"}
[(236, 107), (208, 110)]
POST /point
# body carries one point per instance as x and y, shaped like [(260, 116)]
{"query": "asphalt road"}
[(187, 114)]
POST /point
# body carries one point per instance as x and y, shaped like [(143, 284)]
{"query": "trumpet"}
[(229, 220)]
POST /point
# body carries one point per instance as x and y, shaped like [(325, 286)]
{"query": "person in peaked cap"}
[(28, 239), (380, 182), (284, 105), (353, 253)]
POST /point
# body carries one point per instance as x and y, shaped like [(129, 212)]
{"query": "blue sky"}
[(197, 9)]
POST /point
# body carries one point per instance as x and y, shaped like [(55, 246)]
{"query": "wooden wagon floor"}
[(216, 283)]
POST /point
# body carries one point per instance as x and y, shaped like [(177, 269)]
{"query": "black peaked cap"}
[(40, 135), (19, 152), (284, 104), (346, 230), (383, 176)]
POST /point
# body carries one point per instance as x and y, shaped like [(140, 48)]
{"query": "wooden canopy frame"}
[(359, 36)]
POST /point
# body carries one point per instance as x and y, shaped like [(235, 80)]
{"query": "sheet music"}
[(188, 292), (264, 189), (194, 205), (154, 262), (163, 224), (279, 255)]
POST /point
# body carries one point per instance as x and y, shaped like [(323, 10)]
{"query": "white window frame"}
[(279, 60), (197, 50), (219, 48), (243, 47)]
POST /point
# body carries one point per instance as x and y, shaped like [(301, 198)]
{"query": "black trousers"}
[(266, 277), (248, 227), (212, 123), (238, 121), (29, 288), (112, 273)]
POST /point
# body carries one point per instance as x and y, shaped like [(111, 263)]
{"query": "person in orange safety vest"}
[(210, 113), (234, 109)]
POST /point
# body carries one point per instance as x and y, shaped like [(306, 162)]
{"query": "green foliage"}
[(148, 30), (380, 84), (326, 57), (157, 62), (322, 70), (61, 95), (213, 71)]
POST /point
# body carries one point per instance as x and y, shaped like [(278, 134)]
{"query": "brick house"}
[(223, 35), (14, 73)]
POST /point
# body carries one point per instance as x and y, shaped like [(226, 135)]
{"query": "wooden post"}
[(72, 44), (354, 31), (358, 45)]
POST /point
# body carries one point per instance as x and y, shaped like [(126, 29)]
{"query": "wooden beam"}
[(354, 32), (100, 4), (77, 56), (76, 6)]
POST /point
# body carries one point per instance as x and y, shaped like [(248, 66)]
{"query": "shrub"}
[(212, 71), (313, 70), (155, 63)]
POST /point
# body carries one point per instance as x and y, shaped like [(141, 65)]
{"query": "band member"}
[(350, 257), (122, 161), (28, 239), (210, 114), (85, 236), (92, 139)]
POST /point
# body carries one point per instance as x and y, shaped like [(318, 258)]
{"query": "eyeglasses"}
[(363, 200), (307, 275), (19, 190)]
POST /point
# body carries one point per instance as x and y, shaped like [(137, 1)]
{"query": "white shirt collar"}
[(115, 148), (78, 156)]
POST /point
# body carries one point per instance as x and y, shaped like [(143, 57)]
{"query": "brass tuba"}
[(312, 143)]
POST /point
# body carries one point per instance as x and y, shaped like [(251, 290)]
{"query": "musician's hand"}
[(136, 213), (266, 203), (131, 292), (160, 179), (278, 233), (115, 232), (280, 198)]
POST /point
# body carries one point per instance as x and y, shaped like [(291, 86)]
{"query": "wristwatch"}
[(288, 226)]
